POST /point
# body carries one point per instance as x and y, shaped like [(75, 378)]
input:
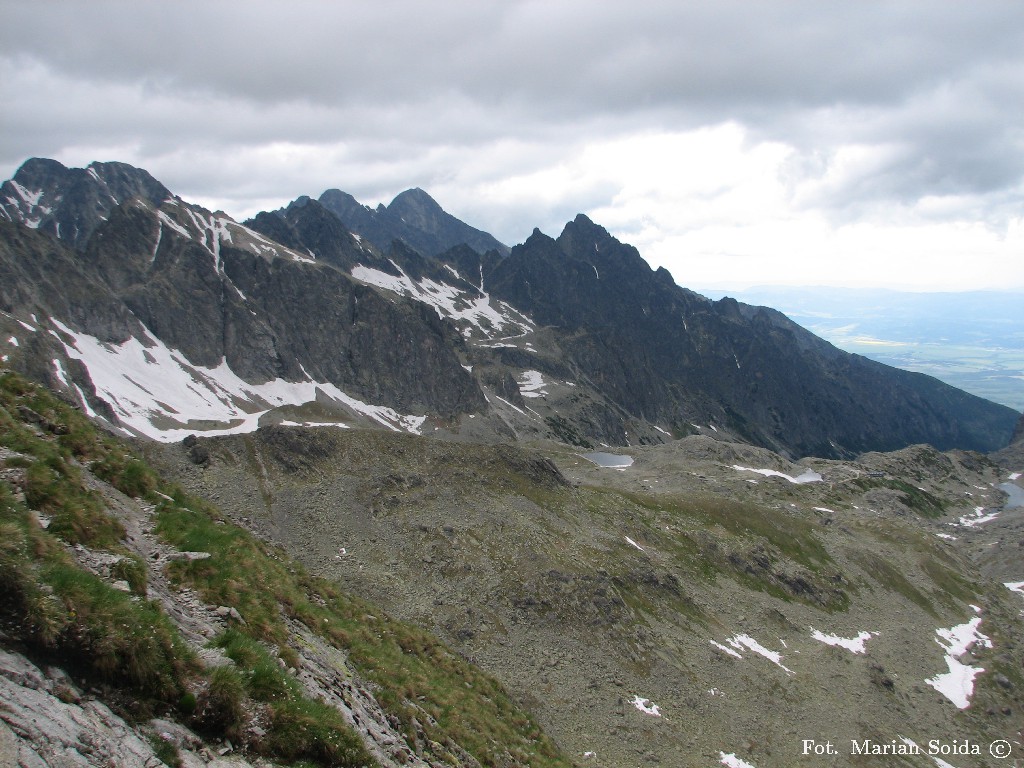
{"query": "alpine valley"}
[(340, 485)]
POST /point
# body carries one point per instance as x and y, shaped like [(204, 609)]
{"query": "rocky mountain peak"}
[(586, 241), (37, 172), (535, 239), (350, 211), (416, 201), (413, 217), (582, 222), (72, 202), (125, 181)]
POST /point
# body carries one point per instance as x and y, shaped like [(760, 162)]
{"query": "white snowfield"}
[(808, 476), (531, 384), (211, 230), (731, 761), (634, 544), (979, 517), (646, 706), (34, 212), (740, 643), (287, 423), (853, 644), (156, 392), (490, 320), (957, 684)]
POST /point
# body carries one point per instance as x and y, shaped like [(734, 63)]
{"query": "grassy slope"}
[(55, 609)]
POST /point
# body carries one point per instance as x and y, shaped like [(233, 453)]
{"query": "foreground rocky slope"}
[(138, 626), (708, 602)]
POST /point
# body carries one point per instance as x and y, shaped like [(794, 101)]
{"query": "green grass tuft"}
[(418, 680)]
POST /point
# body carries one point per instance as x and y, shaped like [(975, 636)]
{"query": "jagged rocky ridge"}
[(413, 217), (574, 338), (658, 349)]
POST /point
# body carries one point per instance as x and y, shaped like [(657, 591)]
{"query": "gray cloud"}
[(561, 56), (250, 101)]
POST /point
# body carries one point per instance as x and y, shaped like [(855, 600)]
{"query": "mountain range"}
[(404, 317), (341, 486)]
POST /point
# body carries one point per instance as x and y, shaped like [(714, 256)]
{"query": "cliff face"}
[(222, 297), (668, 355), (1018, 432), (168, 318)]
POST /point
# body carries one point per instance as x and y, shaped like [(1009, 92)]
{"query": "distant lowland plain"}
[(973, 340)]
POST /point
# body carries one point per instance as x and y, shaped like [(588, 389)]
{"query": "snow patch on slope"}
[(448, 301), (731, 761), (957, 684), (979, 517), (213, 230), (746, 642), (852, 644), (29, 196), (156, 392), (808, 476), (531, 384), (646, 706)]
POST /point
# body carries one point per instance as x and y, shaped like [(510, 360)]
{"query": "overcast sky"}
[(735, 143)]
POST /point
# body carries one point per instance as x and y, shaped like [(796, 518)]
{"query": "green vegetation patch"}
[(949, 583), (789, 535), (888, 576), (764, 549), (919, 500), (433, 693), (300, 728), (241, 572), (58, 610), (47, 602)]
